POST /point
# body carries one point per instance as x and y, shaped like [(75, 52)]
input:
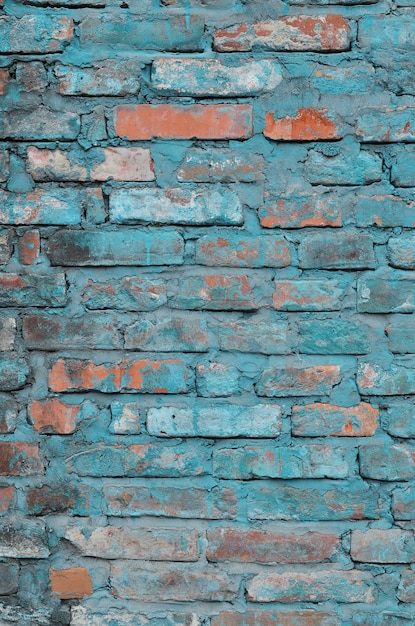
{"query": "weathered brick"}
[(341, 586), (265, 337), (32, 290), (14, 372), (7, 333), (400, 420), (401, 335), (60, 498), (398, 380), (298, 381), (403, 169), (217, 292), (44, 206), (309, 294), (175, 206), (168, 335), (35, 34), (4, 154), (310, 124), (406, 590), (7, 495), (317, 420), (386, 33), (386, 292), (236, 250), (383, 211), (74, 582), (39, 124), (122, 247), (401, 251), (275, 618), (5, 248), (386, 124), (106, 78), (302, 211), (95, 207), (166, 121), (386, 618), (344, 79), (179, 584), (214, 165), (8, 413), (340, 251), (300, 32), (148, 544), (4, 80), (216, 420), (126, 417), (265, 546), (9, 578), (333, 501), (23, 539), (212, 77), (29, 247), (52, 416), (81, 616), (20, 459), (387, 461), (214, 379), (377, 545), (333, 337), (314, 461), (131, 293), (343, 168)]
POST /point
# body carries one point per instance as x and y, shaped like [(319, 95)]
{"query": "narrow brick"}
[(235, 250), (29, 247), (302, 211), (46, 205), (294, 381), (309, 294), (8, 413), (317, 420), (4, 154), (377, 545), (310, 124), (406, 589), (7, 333), (402, 172), (126, 417), (5, 247), (7, 495), (131, 293)]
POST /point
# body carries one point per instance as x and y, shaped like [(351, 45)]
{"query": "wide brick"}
[(386, 124), (333, 337), (377, 545), (343, 169), (29, 247), (14, 372), (152, 460), (406, 589), (46, 205), (265, 337), (106, 78), (387, 461), (339, 251), (32, 290), (401, 335), (170, 501), (131, 293), (173, 33), (348, 78), (200, 121), (82, 616), (175, 206), (310, 124), (60, 498), (298, 381), (52, 332), (403, 169), (340, 586), (300, 32), (35, 34), (23, 539), (315, 461), (215, 420), (215, 165), (236, 250), (20, 459), (168, 335), (148, 544), (7, 333), (265, 546), (74, 582), (333, 501), (145, 376), (398, 380), (384, 211), (275, 618), (52, 416), (211, 77), (39, 124), (57, 165), (309, 294), (302, 211), (383, 33), (389, 618), (317, 420), (7, 495), (8, 413), (386, 292), (179, 584), (9, 578), (126, 417), (217, 292), (122, 247), (400, 420), (401, 251)]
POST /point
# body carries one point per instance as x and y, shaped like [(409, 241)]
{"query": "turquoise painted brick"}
[(388, 618), (386, 124), (311, 294), (234, 250), (109, 78), (215, 379), (56, 498), (400, 420), (8, 413), (130, 293), (377, 545), (36, 290), (266, 337), (401, 335), (343, 169), (403, 504), (47, 205), (14, 372), (387, 462), (216, 166), (340, 80), (387, 32), (398, 380), (403, 169), (340, 251), (168, 335), (333, 337), (298, 381), (35, 34), (386, 292), (383, 211), (401, 252), (39, 124)]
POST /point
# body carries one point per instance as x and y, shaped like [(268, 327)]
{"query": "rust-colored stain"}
[(310, 124)]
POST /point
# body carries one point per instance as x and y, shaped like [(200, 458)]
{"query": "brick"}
[(152, 460), (106, 78), (126, 417), (401, 335), (148, 544), (8, 413), (406, 589), (236, 250), (168, 335), (163, 501), (372, 380), (388, 618), (217, 292), (20, 459), (401, 251), (74, 582), (265, 337), (200, 121), (32, 290), (265, 546), (386, 124), (53, 332), (29, 247), (95, 206), (123, 247), (403, 170), (298, 381), (302, 211), (56, 498), (343, 168), (14, 372), (124, 164), (31, 76), (274, 618), (316, 461), (309, 294), (377, 545), (215, 379), (384, 211), (212, 77), (333, 337), (56, 165), (385, 33), (35, 34), (52, 416), (43, 206), (400, 420), (4, 156), (5, 248), (218, 420), (310, 124), (215, 165), (317, 420), (7, 495), (9, 578), (131, 293), (386, 292), (333, 501), (339, 80), (39, 125), (81, 616), (341, 586), (7, 333), (324, 33), (21, 539), (387, 461), (343, 251), (4, 80), (182, 33), (175, 206), (179, 584), (68, 3)]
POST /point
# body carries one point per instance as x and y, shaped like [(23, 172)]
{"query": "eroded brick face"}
[(207, 290)]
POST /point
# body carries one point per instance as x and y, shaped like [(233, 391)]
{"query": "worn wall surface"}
[(207, 293)]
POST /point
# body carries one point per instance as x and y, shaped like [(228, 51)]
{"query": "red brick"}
[(20, 459), (54, 416), (308, 125), (4, 79), (6, 498), (74, 582), (29, 247)]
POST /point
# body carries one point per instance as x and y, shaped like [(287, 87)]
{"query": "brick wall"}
[(206, 292)]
